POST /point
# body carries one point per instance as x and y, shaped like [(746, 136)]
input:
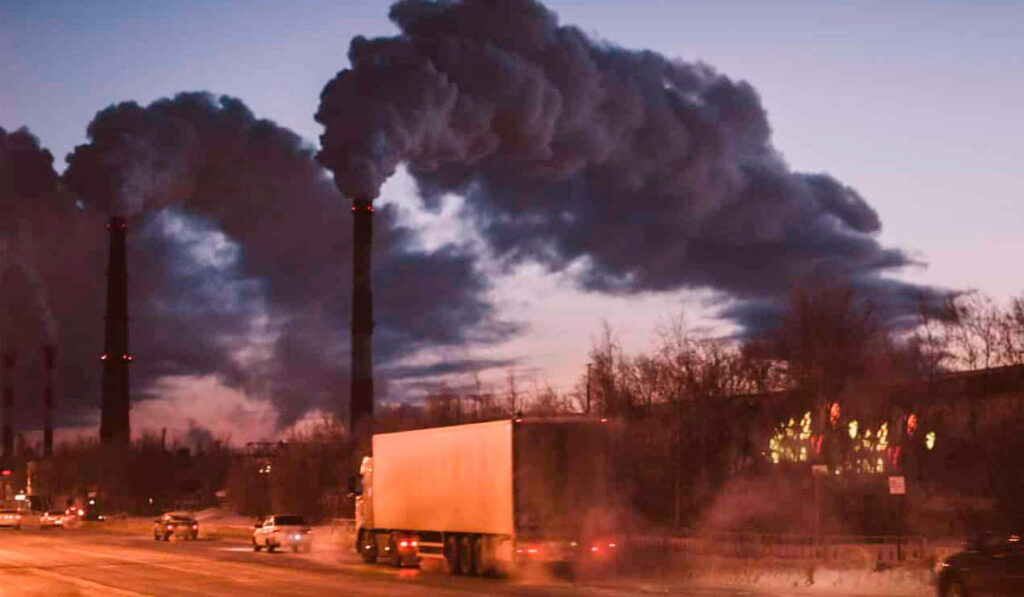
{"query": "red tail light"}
[(195, 526), (412, 543), (404, 544), (595, 549)]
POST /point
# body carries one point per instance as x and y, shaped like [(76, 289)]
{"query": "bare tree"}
[(972, 329), (1011, 333)]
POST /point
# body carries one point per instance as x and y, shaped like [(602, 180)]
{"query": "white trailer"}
[(485, 496)]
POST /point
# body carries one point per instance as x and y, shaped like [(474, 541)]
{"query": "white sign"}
[(20, 497), (897, 486)]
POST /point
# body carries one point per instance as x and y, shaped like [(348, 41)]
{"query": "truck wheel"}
[(367, 547), (451, 554), (483, 565), (270, 547), (953, 588), (467, 551), (394, 558), (255, 546)]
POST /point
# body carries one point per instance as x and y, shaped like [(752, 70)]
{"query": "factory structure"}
[(115, 428), (24, 473), (361, 381)]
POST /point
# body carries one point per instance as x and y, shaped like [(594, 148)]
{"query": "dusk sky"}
[(916, 105)]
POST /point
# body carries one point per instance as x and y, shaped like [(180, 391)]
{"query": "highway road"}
[(88, 562)]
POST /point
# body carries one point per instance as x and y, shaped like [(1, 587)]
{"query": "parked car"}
[(51, 519), (175, 525), (992, 564), (282, 531), (10, 518)]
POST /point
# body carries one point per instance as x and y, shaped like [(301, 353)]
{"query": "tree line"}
[(709, 419)]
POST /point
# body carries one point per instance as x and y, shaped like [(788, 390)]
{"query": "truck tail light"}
[(404, 544)]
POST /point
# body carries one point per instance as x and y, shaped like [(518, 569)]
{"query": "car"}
[(10, 518), (175, 525), (992, 564), (282, 531), (51, 519)]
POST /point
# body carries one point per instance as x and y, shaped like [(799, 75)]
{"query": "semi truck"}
[(488, 497)]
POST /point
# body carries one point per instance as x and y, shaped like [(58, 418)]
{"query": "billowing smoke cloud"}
[(651, 173), (239, 259), (137, 160), (27, 318)]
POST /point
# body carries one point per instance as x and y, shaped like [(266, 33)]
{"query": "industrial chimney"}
[(7, 405), (114, 427), (361, 385), (49, 357)]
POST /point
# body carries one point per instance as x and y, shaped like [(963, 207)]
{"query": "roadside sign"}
[(897, 486), (819, 469)]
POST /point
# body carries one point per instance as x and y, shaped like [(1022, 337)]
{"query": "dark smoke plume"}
[(653, 174), (27, 318), (238, 257)]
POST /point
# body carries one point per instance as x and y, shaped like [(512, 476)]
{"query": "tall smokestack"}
[(49, 357), (7, 405), (361, 388), (114, 428)]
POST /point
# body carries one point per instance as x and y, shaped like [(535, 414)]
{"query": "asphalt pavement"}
[(91, 562)]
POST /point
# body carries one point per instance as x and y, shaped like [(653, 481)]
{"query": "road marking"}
[(157, 564), (34, 569)]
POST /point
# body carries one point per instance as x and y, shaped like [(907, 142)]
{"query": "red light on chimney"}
[(6, 472)]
